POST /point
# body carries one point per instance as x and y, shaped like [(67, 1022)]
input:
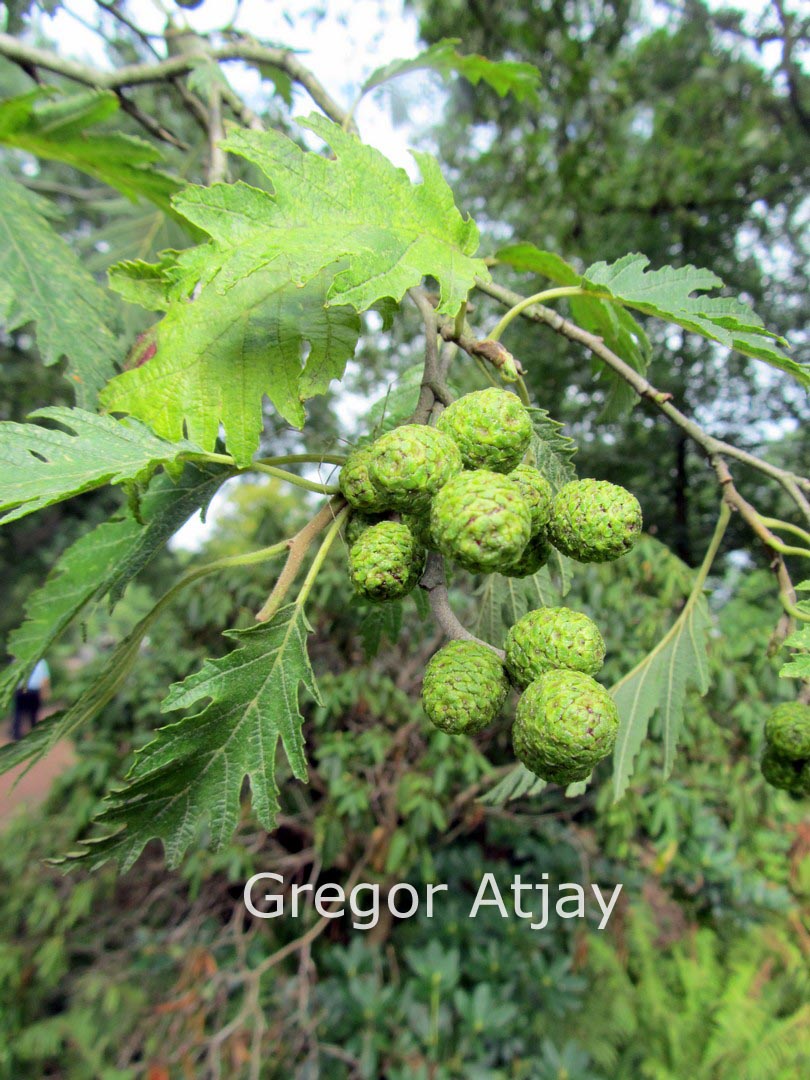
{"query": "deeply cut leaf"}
[(503, 76), (502, 600), (42, 281), (192, 773), (616, 326), (284, 271), (60, 130), (668, 294), (40, 466), (356, 207), (103, 562), (215, 358), (658, 685), (520, 783)]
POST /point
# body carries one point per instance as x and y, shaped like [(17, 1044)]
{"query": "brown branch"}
[(435, 585), (298, 546), (217, 158), (149, 124), (433, 390), (796, 486), (174, 66)]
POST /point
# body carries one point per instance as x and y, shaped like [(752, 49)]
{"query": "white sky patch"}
[(342, 48)]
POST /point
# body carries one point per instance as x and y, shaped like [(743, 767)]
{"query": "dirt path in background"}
[(34, 787)]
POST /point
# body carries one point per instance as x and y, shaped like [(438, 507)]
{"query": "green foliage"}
[(103, 562), (660, 682), (614, 324), (517, 784), (72, 320), (192, 773), (358, 207), (699, 1007), (667, 293), (46, 465), (630, 143), (59, 128), (798, 667), (368, 234), (504, 76), (258, 328)]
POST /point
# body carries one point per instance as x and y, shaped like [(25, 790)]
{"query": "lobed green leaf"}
[(503, 76), (678, 295), (102, 563), (58, 128), (658, 685), (192, 773), (41, 466), (43, 282), (217, 357)]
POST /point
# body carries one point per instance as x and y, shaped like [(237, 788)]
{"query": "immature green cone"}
[(785, 773), (565, 723), (464, 687), (787, 730), (358, 523), (594, 521), (355, 483), (410, 464), (537, 492), (385, 562), (481, 521), (491, 427), (553, 638), (535, 555)]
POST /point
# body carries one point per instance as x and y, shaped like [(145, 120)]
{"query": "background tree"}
[(677, 142)]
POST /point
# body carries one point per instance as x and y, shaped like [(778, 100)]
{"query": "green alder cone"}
[(358, 523), (385, 562), (594, 521), (549, 638), (410, 464), (481, 521), (464, 687), (535, 555), (537, 492), (355, 483), (785, 773), (565, 723), (787, 730), (491, 427)]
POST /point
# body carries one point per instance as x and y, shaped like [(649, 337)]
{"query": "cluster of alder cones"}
[(462, 488)]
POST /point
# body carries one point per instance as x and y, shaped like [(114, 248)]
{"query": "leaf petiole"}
[(319, 559), (786, 526), (268, 466), (528, 301), (692, 599)]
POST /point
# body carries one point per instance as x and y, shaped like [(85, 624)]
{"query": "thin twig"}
[(796, 486), (166, 70), (217, 158), (433, 389), (149, 124), (298, 546), (435, 585)]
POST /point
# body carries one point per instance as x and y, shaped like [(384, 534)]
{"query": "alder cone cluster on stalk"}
[(468, 490)]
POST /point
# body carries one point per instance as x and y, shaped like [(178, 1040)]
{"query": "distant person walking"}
[(29, 697)]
